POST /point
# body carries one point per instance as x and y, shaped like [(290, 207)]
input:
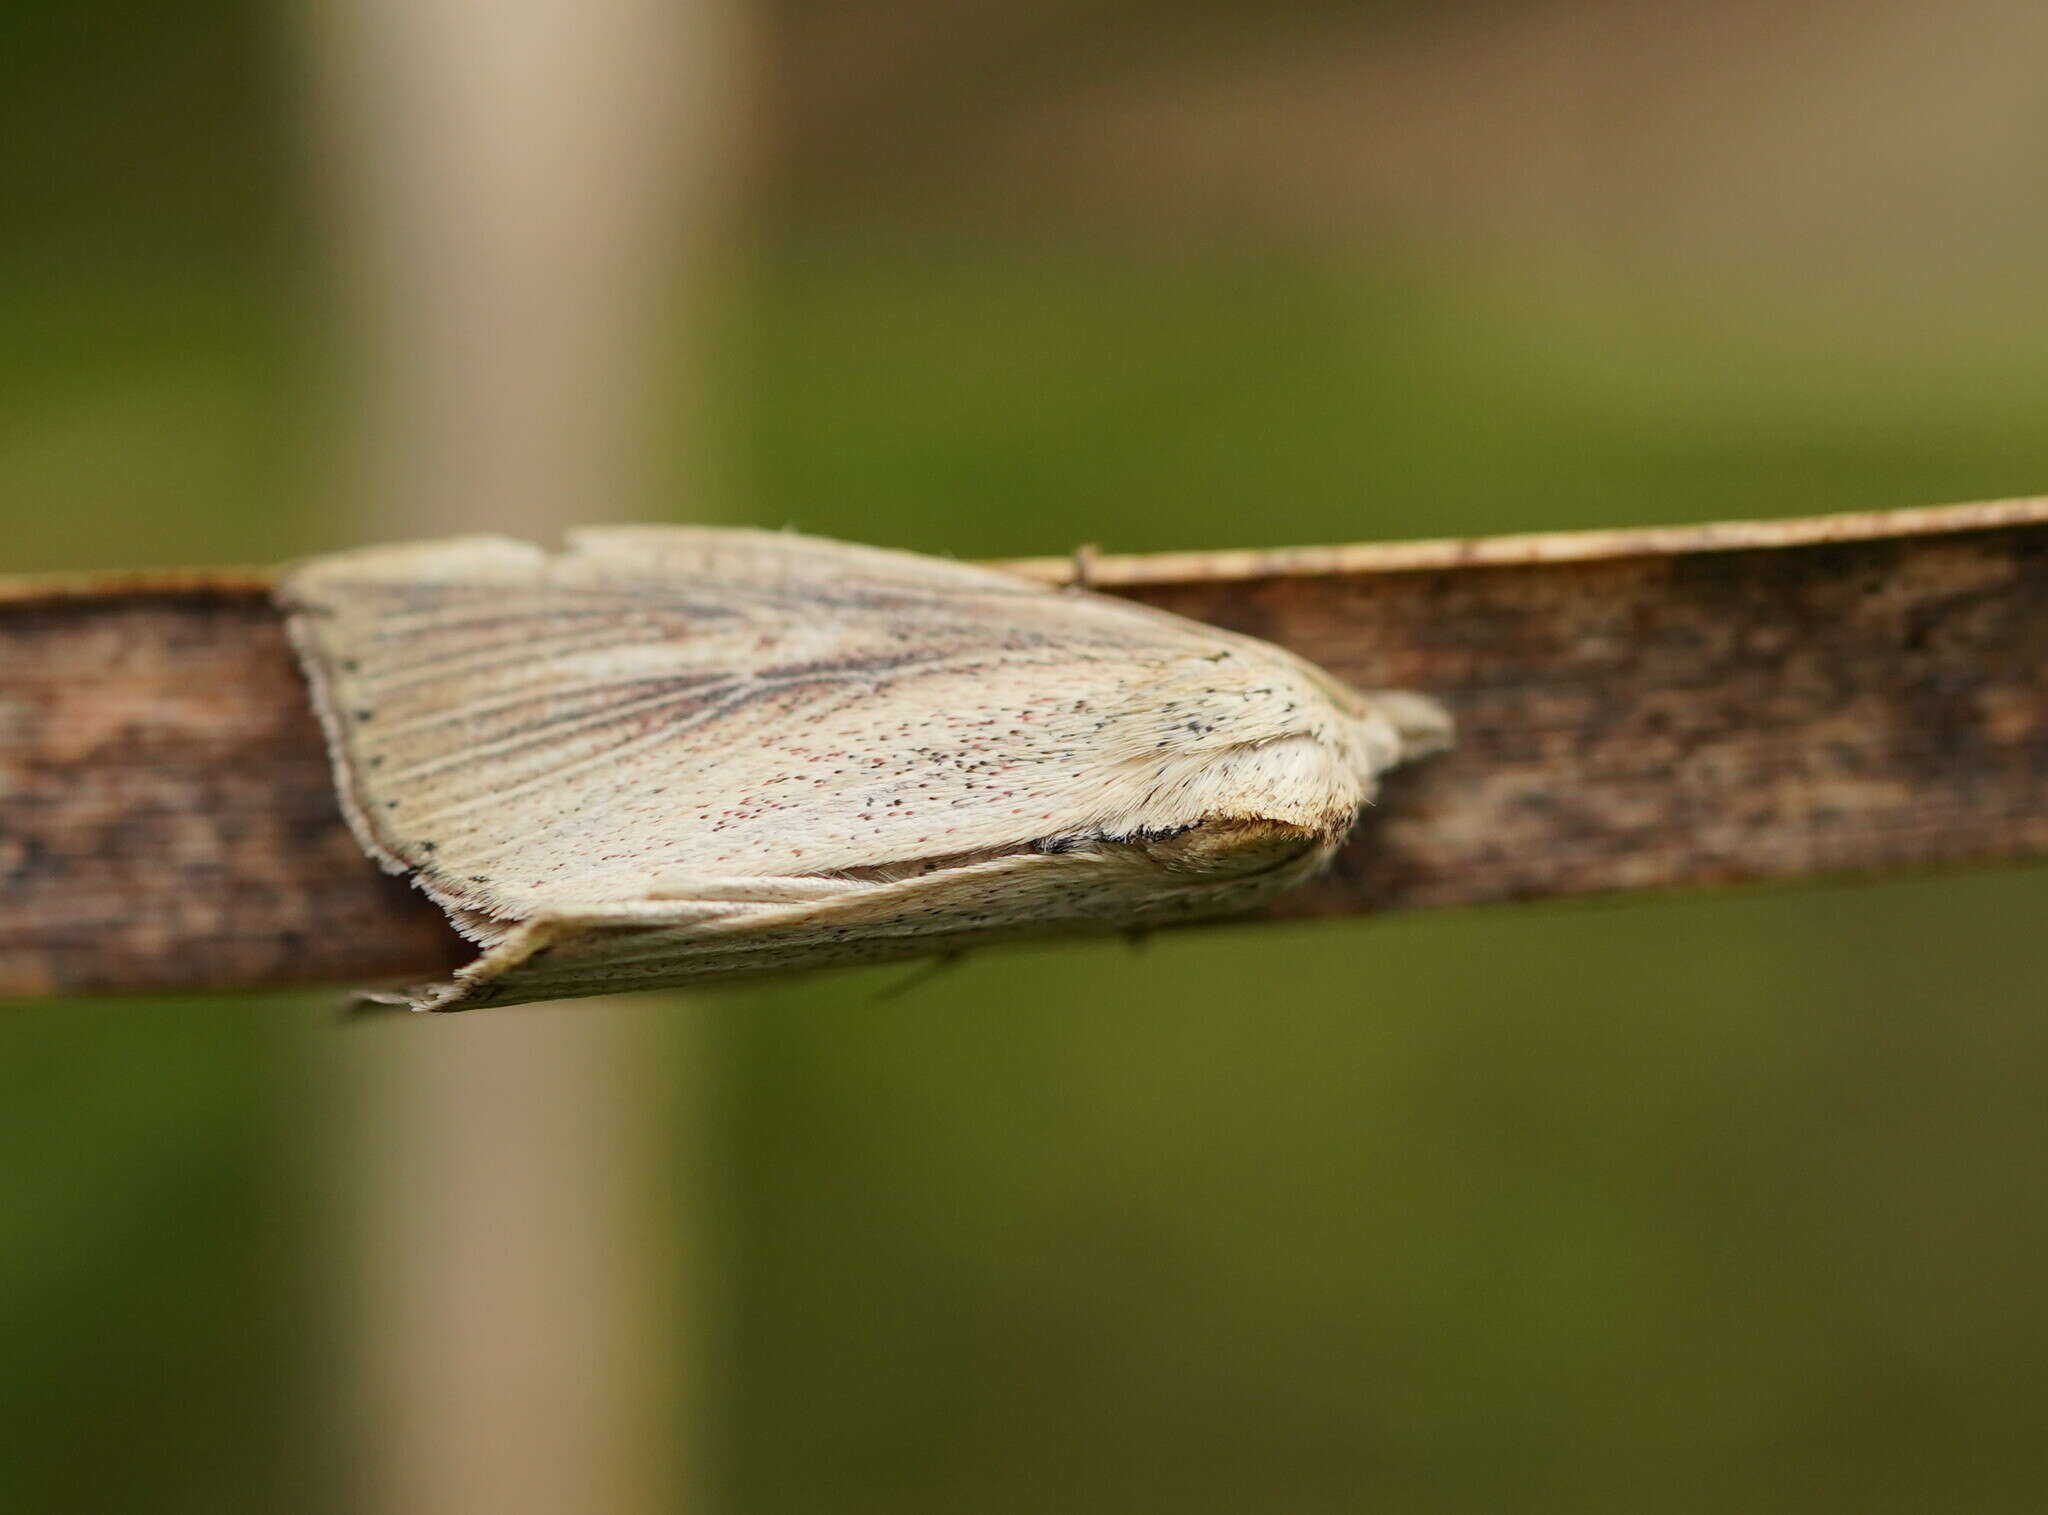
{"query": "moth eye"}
[(1229, 847)]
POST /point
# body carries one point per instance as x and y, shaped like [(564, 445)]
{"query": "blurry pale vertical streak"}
[(517, 189)]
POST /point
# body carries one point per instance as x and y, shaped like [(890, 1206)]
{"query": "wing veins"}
[(527, 738), (404, 675), (541, 690), (758, 689)]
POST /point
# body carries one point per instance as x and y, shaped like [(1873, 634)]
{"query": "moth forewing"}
[(668, 754)]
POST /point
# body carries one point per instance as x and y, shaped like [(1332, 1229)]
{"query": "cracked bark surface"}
[(1649, 709)]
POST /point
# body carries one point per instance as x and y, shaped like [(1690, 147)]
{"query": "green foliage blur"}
[(1690, 1204)]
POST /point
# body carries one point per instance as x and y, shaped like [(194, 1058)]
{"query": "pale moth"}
[(668, 755)]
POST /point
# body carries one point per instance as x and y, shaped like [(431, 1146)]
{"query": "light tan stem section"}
[(515, 186)]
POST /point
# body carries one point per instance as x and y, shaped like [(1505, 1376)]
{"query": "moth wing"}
[(540, 734), (750, 929)]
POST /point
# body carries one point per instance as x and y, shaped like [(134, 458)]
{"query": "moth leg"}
[(1084, 566), (918, 977)]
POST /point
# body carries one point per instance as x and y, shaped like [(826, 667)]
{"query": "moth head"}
[(1260, 763), (1260, 719)]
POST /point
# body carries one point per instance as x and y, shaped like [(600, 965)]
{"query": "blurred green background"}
[(1694, 1204)]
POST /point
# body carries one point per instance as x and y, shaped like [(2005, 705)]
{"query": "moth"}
[(669, 755)]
